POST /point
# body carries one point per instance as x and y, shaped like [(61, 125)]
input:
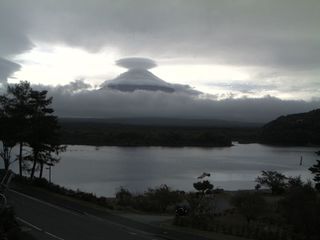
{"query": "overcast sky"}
[(240, 52)]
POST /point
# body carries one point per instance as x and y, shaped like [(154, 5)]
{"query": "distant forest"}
[(294, 129), (103, 133)]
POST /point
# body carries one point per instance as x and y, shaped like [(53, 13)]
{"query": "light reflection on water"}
[(103, 170)]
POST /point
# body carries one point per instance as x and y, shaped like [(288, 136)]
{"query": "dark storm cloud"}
[(114, 104), (14, 28), (7, 68), (282, 33)]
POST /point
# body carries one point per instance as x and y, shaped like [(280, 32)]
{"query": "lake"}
[(103, 170)]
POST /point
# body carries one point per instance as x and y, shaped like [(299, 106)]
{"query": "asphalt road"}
[(47, 221)]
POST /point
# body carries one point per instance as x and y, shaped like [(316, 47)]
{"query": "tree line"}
[(27, 121), (103, 133)]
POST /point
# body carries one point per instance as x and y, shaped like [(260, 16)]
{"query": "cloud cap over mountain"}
[(136, 62), (139, 78)]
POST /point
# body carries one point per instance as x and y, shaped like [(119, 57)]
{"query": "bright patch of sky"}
[(59, 65), (54, 65)]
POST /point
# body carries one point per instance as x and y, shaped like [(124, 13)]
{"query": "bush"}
[(294, 182), (153, 200), (301, 209), (251, 205), (124, 197), (164, 197)]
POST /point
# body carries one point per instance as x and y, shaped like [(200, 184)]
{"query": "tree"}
[(7, 132), (201, 205), (26, 117), (251, 205), (43, 138), (315, 169), (203, 187), (274, 180), (19, 95)]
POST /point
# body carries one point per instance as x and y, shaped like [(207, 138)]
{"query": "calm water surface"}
[(103, 170)]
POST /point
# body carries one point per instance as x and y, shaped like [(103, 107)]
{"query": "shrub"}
[(274, 180), (153, 200), (123, 197), (301, 209), (251, 205)]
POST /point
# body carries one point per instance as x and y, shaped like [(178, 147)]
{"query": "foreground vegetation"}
[(280, 207), (27, 119), (291, 210)]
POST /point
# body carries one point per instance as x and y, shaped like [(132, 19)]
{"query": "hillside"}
[(294, 129)]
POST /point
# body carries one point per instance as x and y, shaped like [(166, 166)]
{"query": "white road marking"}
[(121, 226), (140, 232), (54, 236), (28, 224), (46, 203), (37, 228), (25, 229)]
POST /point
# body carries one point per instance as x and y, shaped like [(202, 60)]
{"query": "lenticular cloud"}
[(134, 62), (139, 78)]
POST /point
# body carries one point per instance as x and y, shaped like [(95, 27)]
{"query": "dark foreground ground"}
[(50, 216)]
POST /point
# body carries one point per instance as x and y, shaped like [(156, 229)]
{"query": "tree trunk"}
[(6, 164), (41, 169), (35, 159), (6, 158), (20, 159)]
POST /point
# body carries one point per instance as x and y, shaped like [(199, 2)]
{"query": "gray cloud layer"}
[(70, 102), (7, 68), (279, 33)]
